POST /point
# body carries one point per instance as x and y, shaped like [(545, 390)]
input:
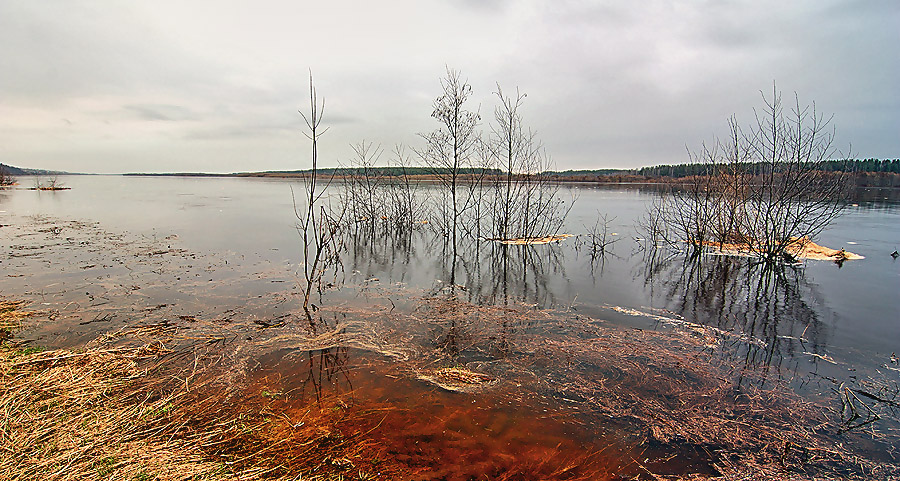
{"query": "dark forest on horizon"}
[(867, 172)]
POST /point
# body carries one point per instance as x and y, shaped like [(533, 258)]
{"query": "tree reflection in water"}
[(485, 272), (327, 370), (775, 312)]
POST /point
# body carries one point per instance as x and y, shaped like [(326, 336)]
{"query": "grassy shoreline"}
[(140, 413), (145, 404)]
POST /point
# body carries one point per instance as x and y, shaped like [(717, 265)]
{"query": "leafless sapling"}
[(319, 222)]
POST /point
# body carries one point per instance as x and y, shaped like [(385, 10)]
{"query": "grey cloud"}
[(60, 50), (262, 130), (485, 5), (242, 130), (167, 113)]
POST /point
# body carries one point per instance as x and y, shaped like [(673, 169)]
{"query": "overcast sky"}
[(112, 86)]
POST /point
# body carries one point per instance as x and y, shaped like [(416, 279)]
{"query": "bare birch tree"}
[(450, 149)]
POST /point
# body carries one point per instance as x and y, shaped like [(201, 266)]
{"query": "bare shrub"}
[(405, 208), (790, 196), (762, 188), (526, 201), (364, 185)]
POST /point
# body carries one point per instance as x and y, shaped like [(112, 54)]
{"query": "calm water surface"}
[(850, 310)]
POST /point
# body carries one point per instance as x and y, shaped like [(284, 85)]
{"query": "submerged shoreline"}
[(565, 396)]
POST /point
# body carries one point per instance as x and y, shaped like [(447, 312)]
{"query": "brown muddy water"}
[(539, 363)]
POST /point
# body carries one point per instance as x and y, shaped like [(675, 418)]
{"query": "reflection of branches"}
[(519, 273), (371, 250), (598, 237), (597, 242), (327, 368), (486, 272), (766, 306)]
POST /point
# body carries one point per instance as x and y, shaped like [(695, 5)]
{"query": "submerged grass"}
[(695, 414), (144, 413), (145, 404)]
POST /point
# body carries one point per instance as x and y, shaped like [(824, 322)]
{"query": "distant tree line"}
[(8, 170), (867, 165), (848, 166), (389, 171), (853, 166), (595, 172)]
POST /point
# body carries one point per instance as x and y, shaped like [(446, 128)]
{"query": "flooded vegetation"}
[(471, 325), (556, 360)]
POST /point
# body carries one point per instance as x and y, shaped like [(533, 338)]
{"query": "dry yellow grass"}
[(803, 248), (140, 413), (798, 247), (67, 416), (11, 315)]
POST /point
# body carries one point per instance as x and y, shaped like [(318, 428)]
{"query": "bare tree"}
[(450, 149), (791, 198), (510, 147), (319, 224), (764, 188), (526, 200)]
